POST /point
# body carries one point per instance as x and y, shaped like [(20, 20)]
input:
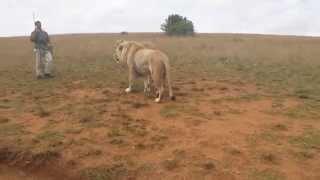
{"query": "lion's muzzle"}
[(116, 58)]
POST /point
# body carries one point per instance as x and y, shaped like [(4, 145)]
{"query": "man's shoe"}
[(40, 77), (48, 76)]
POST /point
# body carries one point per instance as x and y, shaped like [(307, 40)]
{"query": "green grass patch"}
[(115, 171), (115, 132), (50, 136), (5, 106), (15, 104), (169, 111), (74, 130), (135, 127), (304, 155), (267, 174), (170, 164), (89, 117), (90, 152), (48, 141), (269, 136), (242, 97), (307, 110), (269, 157), (308, 140), (266, 135), (11, 130)]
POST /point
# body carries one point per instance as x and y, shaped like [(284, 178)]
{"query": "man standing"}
[(43, 51)]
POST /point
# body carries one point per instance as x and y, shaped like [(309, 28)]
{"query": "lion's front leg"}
[(146, 87), (131, 79)]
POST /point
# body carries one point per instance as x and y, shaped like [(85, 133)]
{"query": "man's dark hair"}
[(37, 23)]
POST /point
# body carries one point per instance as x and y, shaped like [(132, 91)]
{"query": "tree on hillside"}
[(178, 25)]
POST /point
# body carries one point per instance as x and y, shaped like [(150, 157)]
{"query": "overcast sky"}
[(291, 17)]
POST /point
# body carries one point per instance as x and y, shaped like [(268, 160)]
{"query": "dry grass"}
[(239, 97)]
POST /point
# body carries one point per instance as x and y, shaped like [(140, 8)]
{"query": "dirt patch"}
[(218, 134)]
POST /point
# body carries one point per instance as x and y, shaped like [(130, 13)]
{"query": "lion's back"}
[(146, 56)]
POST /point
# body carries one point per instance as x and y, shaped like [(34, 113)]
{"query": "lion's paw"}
[(128, 90)]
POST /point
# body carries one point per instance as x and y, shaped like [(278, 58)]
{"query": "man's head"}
[(38, 24)]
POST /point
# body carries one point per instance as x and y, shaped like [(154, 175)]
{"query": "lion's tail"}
[(168, 78)]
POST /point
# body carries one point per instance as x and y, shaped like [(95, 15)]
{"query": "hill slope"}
[(247, 108)]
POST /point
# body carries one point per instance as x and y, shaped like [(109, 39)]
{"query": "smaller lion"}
[(145, 61)]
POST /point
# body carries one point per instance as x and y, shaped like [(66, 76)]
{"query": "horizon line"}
[(134, 32)]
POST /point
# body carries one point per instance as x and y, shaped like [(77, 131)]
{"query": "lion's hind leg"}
[(147, 85), (159, 86), (160, 91)]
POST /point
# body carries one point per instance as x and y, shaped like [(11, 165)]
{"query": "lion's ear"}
[(119, 42)]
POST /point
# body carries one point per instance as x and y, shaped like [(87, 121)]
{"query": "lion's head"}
[(123, 48), (118, 52)]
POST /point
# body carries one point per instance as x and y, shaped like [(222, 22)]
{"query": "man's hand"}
[(50, 48)]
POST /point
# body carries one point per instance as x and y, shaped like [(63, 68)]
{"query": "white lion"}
[(146, 62)]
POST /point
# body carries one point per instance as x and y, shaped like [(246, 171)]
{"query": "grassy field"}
[(248, 107)]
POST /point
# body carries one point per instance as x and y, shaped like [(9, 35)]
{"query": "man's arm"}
[(33, 36), (49, 42), (47, 37), (50, 47)]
